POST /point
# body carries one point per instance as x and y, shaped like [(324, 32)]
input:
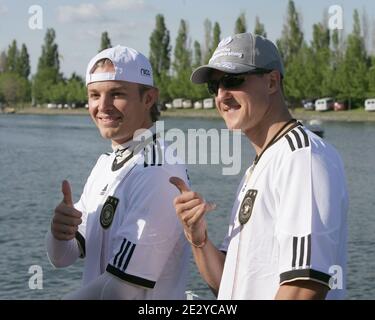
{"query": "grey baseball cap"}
[(241, 53)]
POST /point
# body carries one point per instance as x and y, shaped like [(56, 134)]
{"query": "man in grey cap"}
[(287, 232)]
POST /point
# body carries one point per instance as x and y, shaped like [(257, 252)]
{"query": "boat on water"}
[(315, 126)]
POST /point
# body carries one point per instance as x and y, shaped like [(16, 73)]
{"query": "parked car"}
[(177, 103), (208, 103), (370, 105), (198, 104), (187, 104), (324, 104), (340, 105), (308, 104)]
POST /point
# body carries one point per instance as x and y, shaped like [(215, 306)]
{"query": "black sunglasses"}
[(231, 81)]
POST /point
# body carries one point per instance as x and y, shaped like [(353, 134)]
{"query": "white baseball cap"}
[(130, 65)]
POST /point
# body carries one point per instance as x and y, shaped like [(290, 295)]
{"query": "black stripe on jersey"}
[(130, 278), (118, 253), (302, 249), (299, 253), (153, 154), (294, 259), (308, 260), (300, 137), (156, 156), (123, 254), (307, 141), (305, 274), (81, 244), (290, 142), (107, 153), (129, 256)]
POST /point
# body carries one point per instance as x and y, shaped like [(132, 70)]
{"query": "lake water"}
[(38, 152)]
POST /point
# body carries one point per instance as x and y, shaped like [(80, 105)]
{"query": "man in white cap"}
[(124, 224), (287, 233)]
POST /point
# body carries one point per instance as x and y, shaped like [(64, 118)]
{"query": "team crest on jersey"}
[(108, 212), (247, 206)]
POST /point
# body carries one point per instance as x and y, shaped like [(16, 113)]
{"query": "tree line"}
[(330, 65)]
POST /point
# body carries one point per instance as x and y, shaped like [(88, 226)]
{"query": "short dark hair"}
[(154, 110)]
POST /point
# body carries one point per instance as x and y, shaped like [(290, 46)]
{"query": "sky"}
[(79, 24)]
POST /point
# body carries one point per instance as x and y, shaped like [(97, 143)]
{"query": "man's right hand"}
[(191, 208), (66, 219)]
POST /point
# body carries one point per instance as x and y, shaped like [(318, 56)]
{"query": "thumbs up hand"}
[(191, 208), (66, 219)]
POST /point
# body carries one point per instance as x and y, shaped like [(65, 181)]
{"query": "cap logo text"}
[(145, 72), (225, 41)]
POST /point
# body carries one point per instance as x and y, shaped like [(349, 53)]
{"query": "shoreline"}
[(356, 115)]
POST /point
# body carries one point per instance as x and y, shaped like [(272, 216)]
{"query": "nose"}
[(223, 94), (105, 102)]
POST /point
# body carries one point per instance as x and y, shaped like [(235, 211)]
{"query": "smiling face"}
[(245, 106), (117, 107)]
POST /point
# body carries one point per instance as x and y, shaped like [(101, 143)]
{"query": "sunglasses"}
[(231, 81)]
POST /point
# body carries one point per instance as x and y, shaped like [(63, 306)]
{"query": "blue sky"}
[(79, 24)]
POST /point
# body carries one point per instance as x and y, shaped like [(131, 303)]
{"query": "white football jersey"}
[(293, 208), (130, 228)]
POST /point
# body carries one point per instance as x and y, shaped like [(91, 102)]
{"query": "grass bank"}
[(355, 115)]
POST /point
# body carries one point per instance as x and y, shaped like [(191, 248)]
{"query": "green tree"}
[(215, 40), (75, 90), (23, 64), (352, 78), (13, 88), (160, 52), (3, 62), (240, 25), (371, 80), (259, 28), (208, 40), (321, 56), (105, 41), (198, 91), (57, 93), (48, 67), (180, 85), (12, 57), (296, 84), (197, 54), (292, 36), (216, 36)]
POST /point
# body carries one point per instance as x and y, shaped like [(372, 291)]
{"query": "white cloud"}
[(124, 4), (85, 12), (3, 9)]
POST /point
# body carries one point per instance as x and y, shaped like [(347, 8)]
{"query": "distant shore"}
[(355, 115)]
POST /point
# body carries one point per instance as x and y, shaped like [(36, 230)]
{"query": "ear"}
[(274, 81), (150, 97)]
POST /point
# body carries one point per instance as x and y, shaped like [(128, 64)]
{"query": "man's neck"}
[(262, 134)]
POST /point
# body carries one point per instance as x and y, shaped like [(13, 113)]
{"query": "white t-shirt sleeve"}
[(312, 198), (150, 230), (61, 253)]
